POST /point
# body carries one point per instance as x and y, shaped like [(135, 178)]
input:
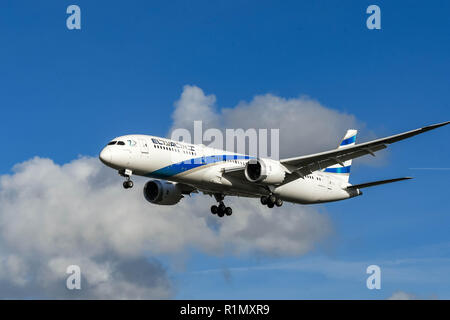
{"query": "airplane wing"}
[(235, 173), (187, 189), (233, 169), (304, 165)]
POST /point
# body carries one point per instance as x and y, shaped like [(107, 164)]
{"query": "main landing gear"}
[(271, 201), (127, 184), (221, 210)]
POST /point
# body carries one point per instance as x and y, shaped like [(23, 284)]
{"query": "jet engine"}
[(265, 171), (162, 192)]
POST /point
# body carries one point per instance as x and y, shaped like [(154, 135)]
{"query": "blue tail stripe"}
[(348, 141)]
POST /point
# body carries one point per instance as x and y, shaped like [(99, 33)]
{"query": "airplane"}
[(178, 169)]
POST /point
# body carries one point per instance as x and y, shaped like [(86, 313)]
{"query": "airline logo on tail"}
[(344, 171)]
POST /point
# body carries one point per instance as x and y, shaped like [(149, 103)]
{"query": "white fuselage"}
[(203, 168)]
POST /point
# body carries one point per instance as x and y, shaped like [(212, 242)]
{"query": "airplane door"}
[(202, 153), (144, 146)]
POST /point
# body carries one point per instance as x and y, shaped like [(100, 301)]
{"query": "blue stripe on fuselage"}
[(190, 164)]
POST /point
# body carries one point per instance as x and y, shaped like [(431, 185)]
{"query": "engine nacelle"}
[(162, 192), (264, 171)]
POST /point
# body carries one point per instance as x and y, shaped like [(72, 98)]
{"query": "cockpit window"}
[(120, 143), (112, 143)]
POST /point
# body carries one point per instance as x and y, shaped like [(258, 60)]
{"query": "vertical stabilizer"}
[(342, 172)]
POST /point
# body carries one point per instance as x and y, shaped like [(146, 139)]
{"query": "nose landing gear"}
[(221, 210), (127, 184), (271, 201)]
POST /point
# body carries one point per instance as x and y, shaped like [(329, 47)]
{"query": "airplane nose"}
[(106, 156)]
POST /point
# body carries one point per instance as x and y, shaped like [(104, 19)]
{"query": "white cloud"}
[(52, 216), (306, 126), (401, 295), (194, 105)]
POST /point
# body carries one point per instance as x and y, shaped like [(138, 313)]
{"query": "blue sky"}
[(66, 93)]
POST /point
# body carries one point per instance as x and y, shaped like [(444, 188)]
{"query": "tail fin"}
[(339, 171)]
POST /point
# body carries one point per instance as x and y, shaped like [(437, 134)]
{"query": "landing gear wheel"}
[(128, 184), (279, 202), (272, 199), (221, 210), (264, 200), (270, 205)]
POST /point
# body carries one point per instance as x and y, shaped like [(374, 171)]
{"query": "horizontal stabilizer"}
[(376, 183)]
